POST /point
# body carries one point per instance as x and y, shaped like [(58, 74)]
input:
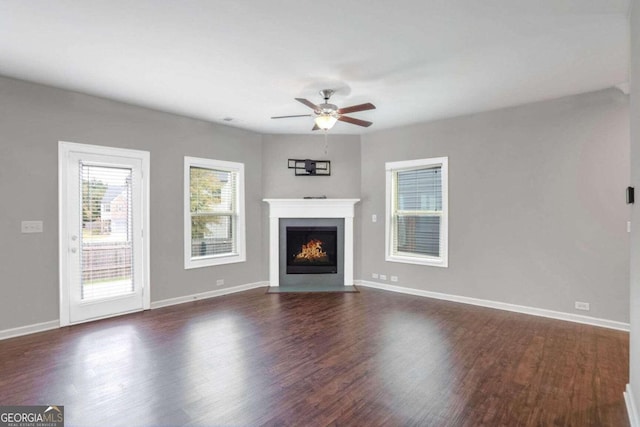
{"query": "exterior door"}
[(103, 244)]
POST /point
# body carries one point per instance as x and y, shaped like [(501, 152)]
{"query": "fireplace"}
[(312, 250), (322, 215)]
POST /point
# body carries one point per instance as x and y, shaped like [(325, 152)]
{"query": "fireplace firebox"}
[(312, 250)]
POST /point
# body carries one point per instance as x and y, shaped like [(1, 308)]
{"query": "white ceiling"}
[(416, 60)]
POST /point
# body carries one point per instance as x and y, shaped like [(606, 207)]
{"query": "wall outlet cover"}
[(31, 227), (582, 306)]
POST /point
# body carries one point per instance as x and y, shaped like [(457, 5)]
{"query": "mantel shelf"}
[(311, 208)]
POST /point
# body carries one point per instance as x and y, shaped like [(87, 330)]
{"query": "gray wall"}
[(634, 359), (537, 215), (342, 150), (33, 119)]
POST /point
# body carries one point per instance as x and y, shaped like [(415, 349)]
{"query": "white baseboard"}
[(632, 410), (611, 324), (29, 329), (54, 324), (209, 294), (605, 323)]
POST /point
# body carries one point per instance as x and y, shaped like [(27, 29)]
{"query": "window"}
[(214, 231), (417, 220)]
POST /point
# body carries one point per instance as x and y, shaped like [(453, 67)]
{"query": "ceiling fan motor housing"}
[(327, 109)]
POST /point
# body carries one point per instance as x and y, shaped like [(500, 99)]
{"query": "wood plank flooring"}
[(368, 359)]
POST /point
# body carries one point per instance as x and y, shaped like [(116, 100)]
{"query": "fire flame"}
[(312, 251)]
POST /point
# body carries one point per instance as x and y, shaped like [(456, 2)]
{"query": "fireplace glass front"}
[(312, 250)]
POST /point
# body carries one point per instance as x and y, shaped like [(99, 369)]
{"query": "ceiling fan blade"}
[(286, 117), (353, 121), (315, 127), (308, 103), (355, 108)]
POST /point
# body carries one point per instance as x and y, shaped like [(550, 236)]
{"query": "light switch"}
[(374, 218), (31, 227)]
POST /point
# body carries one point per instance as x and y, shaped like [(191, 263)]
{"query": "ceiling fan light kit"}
[(325, 121), (326, 115)]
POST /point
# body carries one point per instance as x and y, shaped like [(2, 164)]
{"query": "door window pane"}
[(106, 235)]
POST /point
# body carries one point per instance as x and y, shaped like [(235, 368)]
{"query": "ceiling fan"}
[(326, 115)]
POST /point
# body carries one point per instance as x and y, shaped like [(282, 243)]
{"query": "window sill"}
[(214, 260), (407, 259)]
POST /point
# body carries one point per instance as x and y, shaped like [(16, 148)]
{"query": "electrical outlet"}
[(219, 282), (374, 218), (383, 277), (582, 306), (374, 275), (394, 278), (31, 226)]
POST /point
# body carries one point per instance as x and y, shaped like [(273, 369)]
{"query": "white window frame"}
[(240, 255), (412, 258)]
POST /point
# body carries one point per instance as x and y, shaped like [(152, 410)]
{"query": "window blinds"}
[(213, 211), (417, 211), (106, 235)]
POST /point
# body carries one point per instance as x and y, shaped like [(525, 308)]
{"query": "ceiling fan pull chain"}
[(326, 142)]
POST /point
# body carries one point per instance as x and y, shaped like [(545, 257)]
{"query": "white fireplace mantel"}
[(310, 208)]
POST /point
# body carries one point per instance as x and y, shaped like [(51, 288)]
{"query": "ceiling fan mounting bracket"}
[(326, 94)]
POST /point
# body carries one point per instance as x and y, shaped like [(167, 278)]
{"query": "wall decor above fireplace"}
[(308, 167)]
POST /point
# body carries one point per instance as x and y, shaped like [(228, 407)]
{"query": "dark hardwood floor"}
[(370, 359)]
